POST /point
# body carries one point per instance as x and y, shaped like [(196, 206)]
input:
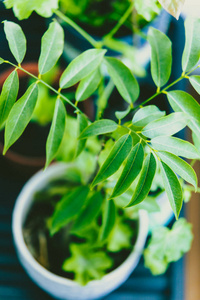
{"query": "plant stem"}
[(84, 34), (120, 22), (193, 162), (44, 83), (192, 189), (163, 91)]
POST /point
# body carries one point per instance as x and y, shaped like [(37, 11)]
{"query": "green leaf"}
[(173, 188), (118, 154), (23, 9), (167, 125), (176, 146), (124, 80), (99, 127), (131, 170), (120, 237), (179, 166), (1, 60), (87, 263), (89, 212), (196, 141), (56, 131), (88, 85), (51, 47), (161, 56), (146, 115), (109, 216), (20, 116), (8, 96), (68, 207), (122, 114), (183, 102), (173, 7), (16, 40), (167, 245), (81, 66), (145, 181), (147, 9), (191, 53), (82, 124), (195, 82), (179, 240)]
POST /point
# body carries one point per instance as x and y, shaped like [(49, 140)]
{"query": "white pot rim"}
[(21, 208)]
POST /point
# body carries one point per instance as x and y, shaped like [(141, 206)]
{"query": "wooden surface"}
[(192, 268)]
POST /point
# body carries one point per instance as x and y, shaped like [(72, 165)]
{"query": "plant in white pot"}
[(131, 152)]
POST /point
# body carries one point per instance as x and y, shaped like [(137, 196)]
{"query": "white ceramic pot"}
[(59, 287)]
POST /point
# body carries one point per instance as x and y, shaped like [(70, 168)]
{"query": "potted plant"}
[(137, 146)]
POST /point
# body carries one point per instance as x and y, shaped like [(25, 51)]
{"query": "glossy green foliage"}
[(81, 66), (109, 216), (87, 263), (20, 116), (195, 82), (167, 245), (148, 9), (161, 56), (8, 96), (102, 126), (88, 213), (56, 131), (117, 155), (179, 166), (51, 47), (23, 9), (176, 146), (131, 170), (82, 124), (173, 188), (88, 85), (191, 53), (147, 114), (167, 125), (124, 80), (16, 40), (183, 102), (68, 208), (145, 181), (122, 114)]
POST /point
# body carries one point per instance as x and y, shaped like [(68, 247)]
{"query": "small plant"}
[(131, 150)]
